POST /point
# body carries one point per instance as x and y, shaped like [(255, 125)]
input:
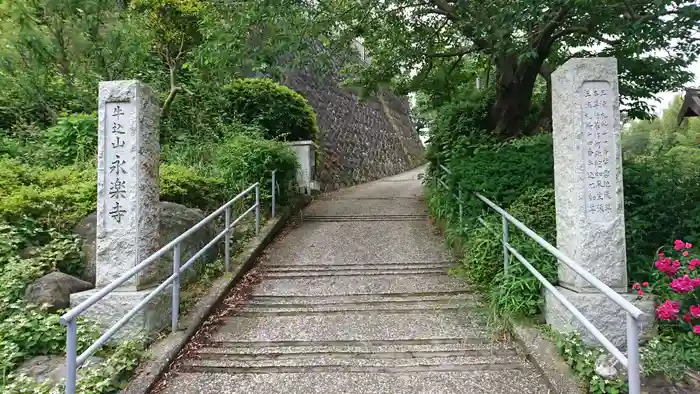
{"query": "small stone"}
[(605, 366), (52, 291)]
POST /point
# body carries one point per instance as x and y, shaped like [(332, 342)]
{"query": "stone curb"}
[(167, 349), (544, 355)]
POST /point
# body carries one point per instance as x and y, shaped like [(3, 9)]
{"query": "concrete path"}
[(357, 300)]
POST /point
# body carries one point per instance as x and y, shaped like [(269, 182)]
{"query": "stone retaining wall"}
[(359, 141)]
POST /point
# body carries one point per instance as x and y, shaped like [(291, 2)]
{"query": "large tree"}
[(408, 40)]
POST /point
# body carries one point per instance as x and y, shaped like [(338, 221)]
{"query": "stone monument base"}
[(143, 326), (600, 310)]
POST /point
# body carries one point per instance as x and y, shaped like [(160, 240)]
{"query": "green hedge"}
[(247, 159), (661, 204), (283, 113)]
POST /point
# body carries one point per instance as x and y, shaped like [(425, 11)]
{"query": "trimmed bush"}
[(283, 113), (244, 159), (184, 185)]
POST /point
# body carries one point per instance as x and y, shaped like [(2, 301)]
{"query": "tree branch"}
[(630, 10), (582, 30)]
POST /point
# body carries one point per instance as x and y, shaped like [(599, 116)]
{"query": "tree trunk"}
[(514, 88), (544, 124)]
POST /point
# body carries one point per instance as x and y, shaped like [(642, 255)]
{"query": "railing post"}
[(176, 289), (257, 209), (633, 356), (274, 197), (506, 253), (227, 241), (71, 356)]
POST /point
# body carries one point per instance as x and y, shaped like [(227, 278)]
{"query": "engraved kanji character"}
[(117, 128), (117, 212), (117, 166), (117, 112), (118, 189), (118, 143)]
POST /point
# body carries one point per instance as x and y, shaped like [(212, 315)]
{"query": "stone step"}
[(340, 364), (367, 218), (366, 206), (378, 266), (353, 326), (358, 242), (475, 347), (419, 380), (395, 307), (447, 296), (337, 273), (346, 344), (350, 285)]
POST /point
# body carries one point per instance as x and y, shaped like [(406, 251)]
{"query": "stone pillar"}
[(589, 196), (306, 155), (127, 179), (127, 205)]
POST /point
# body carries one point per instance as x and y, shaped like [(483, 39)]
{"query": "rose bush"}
[(677, 281)]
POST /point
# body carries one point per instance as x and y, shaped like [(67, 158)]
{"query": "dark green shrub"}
[(519, 293), (184, 185), (662, 198), (283, 113), (661, 193), (502, 173), (460, 126), (243, 160)]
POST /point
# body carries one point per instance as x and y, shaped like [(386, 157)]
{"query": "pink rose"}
[(696, 330), (683, 284), (679, 245), (668, 311), (695, 310)]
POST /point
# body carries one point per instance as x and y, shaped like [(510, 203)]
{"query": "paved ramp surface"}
[(357, 300)]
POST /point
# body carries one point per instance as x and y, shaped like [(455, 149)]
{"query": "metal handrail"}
[(70, 318), (631, 362)]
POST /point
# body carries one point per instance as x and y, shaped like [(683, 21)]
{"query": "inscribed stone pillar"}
[(127, 208), (127, 179), (589, 194)]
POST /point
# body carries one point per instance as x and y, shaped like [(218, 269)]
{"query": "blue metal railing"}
[(70, 319), (631, 361)]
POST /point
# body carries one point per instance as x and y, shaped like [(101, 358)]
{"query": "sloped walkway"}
[(357, 300)]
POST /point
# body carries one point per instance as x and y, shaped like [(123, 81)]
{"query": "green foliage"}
[(184, 185), (105, 378), (661, 193), (518, 293), (30, 332), (283, 113), (661, 196), (435, 39), (582, 361), (244, 159), (73, 139), (53, 198), (671, 355), (661, 135)]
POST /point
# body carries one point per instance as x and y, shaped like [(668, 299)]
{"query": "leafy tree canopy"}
[(412, 41)]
